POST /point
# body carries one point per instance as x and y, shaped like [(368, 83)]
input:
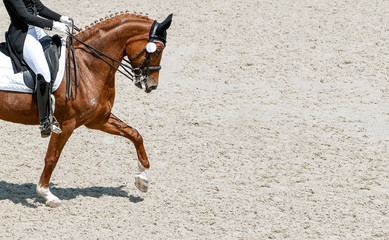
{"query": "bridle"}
[(138, 76), (141, 73)]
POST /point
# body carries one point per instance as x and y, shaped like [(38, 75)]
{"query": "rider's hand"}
[(67, 20), (60, 27)]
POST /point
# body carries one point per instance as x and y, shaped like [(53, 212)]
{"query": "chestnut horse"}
[(117, 37)]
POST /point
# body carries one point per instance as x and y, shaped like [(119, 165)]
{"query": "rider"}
[(25, 50)]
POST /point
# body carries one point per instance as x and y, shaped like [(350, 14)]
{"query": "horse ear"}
[(165, 24)]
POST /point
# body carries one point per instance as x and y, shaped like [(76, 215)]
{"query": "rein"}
[(71, 54), (136, 75)]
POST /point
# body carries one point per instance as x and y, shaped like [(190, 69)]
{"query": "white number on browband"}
[(151, 47)]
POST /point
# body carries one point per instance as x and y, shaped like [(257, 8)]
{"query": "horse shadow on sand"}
[(25, 193)]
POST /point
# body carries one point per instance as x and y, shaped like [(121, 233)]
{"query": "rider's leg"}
[(43, 95), (33, 55), (35, 58)]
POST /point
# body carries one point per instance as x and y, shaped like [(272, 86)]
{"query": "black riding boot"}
[(47, 120)]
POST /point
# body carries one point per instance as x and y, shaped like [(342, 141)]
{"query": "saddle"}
[(52, 50)]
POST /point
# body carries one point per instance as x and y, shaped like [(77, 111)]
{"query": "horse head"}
[(145, 55)]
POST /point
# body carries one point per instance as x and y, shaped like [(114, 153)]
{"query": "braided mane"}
[(107, 18)]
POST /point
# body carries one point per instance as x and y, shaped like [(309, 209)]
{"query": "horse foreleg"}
[(115, 126), (57, 142)]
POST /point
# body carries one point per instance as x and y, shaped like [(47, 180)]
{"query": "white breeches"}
[(33, 52)]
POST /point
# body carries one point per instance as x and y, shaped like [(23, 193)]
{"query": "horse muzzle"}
[(144, 85), (149, 89)]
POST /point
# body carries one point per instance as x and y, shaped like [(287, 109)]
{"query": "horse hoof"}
[(51, 200), (141, 182), (53, 203)]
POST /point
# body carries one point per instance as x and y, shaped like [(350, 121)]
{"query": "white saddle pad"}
[(9, 81)]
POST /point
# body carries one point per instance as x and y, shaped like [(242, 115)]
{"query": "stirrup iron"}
[(55, 128)]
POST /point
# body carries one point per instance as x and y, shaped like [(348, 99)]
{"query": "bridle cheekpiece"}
[(141, 73)]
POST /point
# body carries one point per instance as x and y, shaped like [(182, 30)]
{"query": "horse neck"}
[(111, 36)]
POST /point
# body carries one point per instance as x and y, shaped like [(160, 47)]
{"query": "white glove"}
[(60, 27), (66, 20)]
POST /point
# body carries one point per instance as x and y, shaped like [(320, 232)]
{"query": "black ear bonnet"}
[(158, 30)]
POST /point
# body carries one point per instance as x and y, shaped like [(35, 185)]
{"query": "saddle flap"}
[(52, 50)]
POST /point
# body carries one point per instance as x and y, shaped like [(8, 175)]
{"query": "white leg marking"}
[(51, 200), (140, 167), (141, 181)]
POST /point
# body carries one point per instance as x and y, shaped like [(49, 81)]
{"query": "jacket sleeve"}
[(19, 11), (46, 12)]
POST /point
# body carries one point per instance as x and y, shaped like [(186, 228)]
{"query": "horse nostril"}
[(149, 89)]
